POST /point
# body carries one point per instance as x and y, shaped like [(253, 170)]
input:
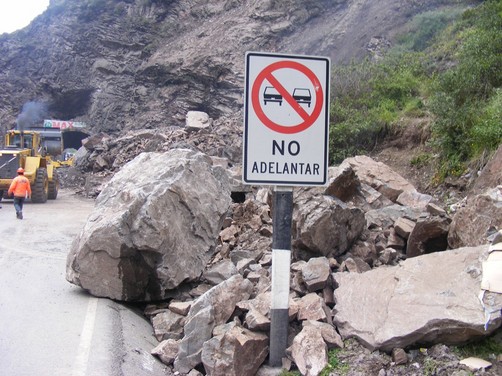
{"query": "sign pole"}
[(281, 260)]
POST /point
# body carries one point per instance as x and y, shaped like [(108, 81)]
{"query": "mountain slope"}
[(120, 65)]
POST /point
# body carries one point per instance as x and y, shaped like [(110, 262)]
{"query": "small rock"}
[(399, 356)]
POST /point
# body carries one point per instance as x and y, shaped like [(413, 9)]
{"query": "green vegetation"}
[(451, 71), (334, 364), (290, 373), (430, 367), (485, 349)]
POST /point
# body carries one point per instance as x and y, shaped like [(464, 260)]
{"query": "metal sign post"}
[(281, 259), (285, 144)]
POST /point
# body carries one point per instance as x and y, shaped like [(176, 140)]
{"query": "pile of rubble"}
[(397, 225), (216, 318), (102, 154)]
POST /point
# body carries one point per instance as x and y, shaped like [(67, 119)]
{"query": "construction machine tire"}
[(53, 186), (40, 189)]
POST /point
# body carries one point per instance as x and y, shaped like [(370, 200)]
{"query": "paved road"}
[(48, 326)]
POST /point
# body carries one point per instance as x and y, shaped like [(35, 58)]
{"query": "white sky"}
[(17, 14)]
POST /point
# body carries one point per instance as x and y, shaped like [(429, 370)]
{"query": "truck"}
[(26, 149)]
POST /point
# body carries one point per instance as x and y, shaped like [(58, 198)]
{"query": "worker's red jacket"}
[(20, 187)]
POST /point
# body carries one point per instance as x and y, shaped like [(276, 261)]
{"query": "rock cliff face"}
[(131, 64)]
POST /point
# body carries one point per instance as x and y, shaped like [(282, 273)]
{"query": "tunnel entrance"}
[(72, 139)]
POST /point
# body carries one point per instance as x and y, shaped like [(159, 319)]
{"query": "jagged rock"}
[(379, 176), (403, 227), (473, 224), (395, 241), (238, 352), (181, 308), (387, 256), (101, 163), (219, 272), (356, 265), (262, 304), (385, 217), (210, 310), (91, 143), (399, 356), (414, 199), (372, 198), (244, 264), (427, 299), (323, 225), (228, 234), (257, 321), (343, 183), (434, 209), (364, 250), (154, 226), (312, 307), (429, 235), (328, 333), (197, 121), (309, 351), (168, 325), (166, 351), (315, 273)]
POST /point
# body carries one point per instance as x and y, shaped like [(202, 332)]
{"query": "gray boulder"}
[(430, 234), (379, 176), (155, 226), (425, 300), (324, 225), (478, 220)]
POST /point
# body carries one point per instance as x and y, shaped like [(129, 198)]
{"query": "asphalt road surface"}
[(49, 327)]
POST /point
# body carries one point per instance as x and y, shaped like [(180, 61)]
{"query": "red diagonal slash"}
[(267, 74), (288, 97)]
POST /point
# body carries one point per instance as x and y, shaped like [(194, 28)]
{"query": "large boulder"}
[(475, 223), (428, 299), (324, 225), (154, 226), (379, 176)]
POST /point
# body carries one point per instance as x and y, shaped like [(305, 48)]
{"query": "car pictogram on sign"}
[(301, 95), (270, 94)]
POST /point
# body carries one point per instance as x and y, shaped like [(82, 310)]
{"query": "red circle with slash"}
[(267, 74)]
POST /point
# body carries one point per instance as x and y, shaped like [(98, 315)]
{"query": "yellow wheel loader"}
[(24, 149)]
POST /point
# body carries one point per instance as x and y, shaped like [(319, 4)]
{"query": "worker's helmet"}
[(20, 170)]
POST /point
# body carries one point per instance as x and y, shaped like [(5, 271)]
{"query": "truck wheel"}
[(53, 186), (40, 187)]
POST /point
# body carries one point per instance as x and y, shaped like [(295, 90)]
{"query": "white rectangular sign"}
[(286, 119)]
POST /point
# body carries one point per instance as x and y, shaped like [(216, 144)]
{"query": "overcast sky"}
[(16, 14)]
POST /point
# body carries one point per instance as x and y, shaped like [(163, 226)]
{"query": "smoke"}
[(33, 114)]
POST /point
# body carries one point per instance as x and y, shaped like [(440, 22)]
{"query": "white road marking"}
[(84, 347)]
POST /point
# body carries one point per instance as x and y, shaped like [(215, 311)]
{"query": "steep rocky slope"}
[(136, 64)]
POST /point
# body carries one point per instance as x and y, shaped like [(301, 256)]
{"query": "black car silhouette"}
[(302, 96), (270, 94)]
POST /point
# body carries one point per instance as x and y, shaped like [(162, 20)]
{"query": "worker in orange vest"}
[(21, 189)]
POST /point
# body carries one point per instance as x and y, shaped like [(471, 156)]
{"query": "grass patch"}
[(335, 364), (484, 349)]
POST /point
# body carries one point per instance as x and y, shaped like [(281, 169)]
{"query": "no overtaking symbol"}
[(267, 74)]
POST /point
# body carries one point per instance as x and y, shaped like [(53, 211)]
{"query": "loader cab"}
[(23, 141)]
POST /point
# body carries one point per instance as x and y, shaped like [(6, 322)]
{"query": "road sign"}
[(286, 119)]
